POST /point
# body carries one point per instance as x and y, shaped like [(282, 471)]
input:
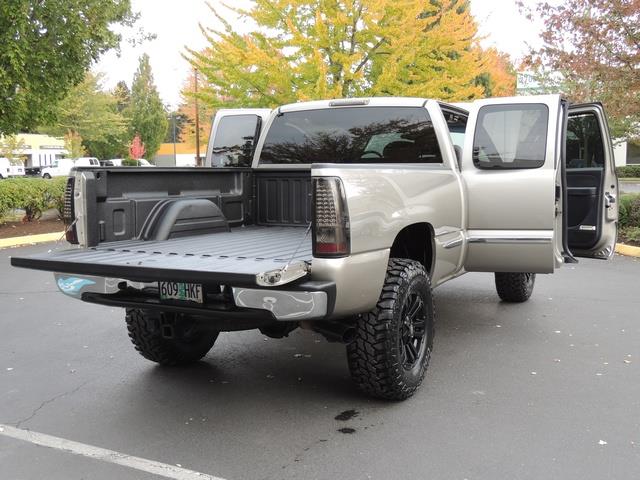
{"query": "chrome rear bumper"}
[(283, 305)]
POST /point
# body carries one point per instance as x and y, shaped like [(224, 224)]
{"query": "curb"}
[(31, 239), (628, 250)]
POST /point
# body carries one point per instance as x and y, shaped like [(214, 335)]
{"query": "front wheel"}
[(168, 338), (515, 287), (391, 352), (46, 176)]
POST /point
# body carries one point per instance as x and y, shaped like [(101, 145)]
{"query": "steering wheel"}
[(378, 154)]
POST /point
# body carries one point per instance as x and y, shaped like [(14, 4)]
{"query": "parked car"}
[(341, 217), (7, 169), (143, 162), (63, 166), (118, 162)]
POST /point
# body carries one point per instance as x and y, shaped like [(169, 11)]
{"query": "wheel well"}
[(415, 242)]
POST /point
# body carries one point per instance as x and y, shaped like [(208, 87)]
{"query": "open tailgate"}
[(245, 256)]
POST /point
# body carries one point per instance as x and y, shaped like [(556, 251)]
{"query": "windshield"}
[(352, 135)]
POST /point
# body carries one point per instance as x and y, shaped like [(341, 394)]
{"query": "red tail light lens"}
[(331, 235)]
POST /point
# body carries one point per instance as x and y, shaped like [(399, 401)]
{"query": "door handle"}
[(611, 214), (609, 200)]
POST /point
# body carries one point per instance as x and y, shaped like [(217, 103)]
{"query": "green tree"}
[(46, 47), (73, 144), (11, 148), (93, 114), (146, 113), (122, 95), (312, 49), (177, 120)]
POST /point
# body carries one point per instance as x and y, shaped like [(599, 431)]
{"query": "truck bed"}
[(234, 257)]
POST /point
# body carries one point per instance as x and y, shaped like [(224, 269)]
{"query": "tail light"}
[(331, 235), (68, 213)]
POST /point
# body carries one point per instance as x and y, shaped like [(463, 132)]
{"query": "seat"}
[(400, 152)]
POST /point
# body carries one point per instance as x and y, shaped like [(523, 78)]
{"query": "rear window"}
[(234, 141), (511, 136), (352, 135)]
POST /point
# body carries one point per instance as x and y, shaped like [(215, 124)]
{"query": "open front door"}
[(511, 156), (592, 186)]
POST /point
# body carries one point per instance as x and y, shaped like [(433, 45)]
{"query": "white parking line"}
[(110, 456)]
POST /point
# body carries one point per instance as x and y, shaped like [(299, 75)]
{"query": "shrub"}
[(33, 195), (32, 198), (629, 171), (129, 162), (630, 210), (55, 192)]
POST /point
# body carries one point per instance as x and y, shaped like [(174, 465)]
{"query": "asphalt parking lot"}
[(548, 389)]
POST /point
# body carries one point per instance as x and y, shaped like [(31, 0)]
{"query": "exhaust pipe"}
[(336, 332)]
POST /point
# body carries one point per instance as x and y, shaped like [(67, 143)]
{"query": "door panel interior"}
[(585, 156), (585, 198)]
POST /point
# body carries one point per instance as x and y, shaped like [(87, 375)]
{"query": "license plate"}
[(190, 292)]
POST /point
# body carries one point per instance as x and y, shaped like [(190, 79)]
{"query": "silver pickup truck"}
[(340, 217)]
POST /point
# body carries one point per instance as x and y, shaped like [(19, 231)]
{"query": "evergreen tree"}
[(122, 95), (146, 113)]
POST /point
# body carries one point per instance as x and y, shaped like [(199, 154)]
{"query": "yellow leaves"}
[(312, 49)]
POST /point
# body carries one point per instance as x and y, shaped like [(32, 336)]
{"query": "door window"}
[(511, 136), (234, 141), (457, 125), (584, 142)]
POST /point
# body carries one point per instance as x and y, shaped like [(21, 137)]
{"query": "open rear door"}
[(510, 163), (234, 135), (592, 185)]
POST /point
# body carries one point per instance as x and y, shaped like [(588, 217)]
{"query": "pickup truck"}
[(341, 217)]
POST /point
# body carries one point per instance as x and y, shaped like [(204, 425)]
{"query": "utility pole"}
[(175, 157), (197, 120)]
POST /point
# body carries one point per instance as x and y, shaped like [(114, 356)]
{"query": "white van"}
[(63, 166), (8, 170)]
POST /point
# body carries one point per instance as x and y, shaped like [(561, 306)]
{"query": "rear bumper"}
[(310, 300), (284, 305)]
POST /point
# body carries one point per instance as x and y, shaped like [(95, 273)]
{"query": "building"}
[(185, 155), (41, 150)]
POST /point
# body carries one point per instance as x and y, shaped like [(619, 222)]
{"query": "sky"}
[(175, 24)]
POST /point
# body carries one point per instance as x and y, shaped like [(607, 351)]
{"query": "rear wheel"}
[(515, 287), (391, 352), (168, 338), (46, 175)]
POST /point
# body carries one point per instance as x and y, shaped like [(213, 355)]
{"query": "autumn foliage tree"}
[(187, 110), (136, 148), (313, 49), (594, 46), (73, 144)]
